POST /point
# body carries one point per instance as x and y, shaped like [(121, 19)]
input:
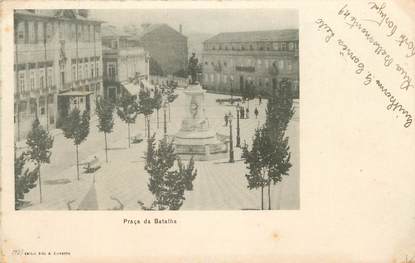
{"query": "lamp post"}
[(238, 138), (231, 159), (165, 121)]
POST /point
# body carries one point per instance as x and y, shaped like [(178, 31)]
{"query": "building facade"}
[(57, 66), (257, 60), (124, 63), (167, 47)]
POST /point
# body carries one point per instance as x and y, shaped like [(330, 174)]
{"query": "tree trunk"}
[(40, 185), (106, 148), (148, 126), (169, 112), (77, 162), (128, 124), (158, 119), (145, 126), (247, 114), (269, 195), (262, 198)]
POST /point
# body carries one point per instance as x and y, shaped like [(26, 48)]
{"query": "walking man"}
[(256, 113)]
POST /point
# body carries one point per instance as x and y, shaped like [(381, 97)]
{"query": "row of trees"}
[(269, 157), (76, 126)]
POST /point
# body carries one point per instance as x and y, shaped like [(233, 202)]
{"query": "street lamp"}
[(238, 138), (165, 122), (231, 159)]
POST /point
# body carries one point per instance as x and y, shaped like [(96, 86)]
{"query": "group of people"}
[(243, 114)]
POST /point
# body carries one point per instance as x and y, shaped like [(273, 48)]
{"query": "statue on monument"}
[(193, 68)]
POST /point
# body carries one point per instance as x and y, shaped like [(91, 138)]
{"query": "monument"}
[(196, 138)]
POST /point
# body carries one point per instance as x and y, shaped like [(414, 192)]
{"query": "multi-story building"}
[(58, 60), (124, 62), (260, 60), (167, 48)]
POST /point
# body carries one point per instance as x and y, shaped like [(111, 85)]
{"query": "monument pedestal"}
[(195, 138)]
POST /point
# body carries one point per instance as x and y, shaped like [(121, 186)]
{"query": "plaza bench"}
[(92, 165), (229, 101)]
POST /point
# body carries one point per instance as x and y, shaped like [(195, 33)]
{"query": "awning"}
[(76, 93), (132, 88)]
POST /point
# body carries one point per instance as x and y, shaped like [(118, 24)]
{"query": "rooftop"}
[(78, 14), (255, 36)]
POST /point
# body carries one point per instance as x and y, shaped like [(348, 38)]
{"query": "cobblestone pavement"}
[(219, 185)]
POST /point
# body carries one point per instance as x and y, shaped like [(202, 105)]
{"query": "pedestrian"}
[(260, 99), (256, 113), (242, 112), (247, 113), (226, 120)]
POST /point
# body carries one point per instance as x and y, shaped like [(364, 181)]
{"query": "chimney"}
[(181, 29)]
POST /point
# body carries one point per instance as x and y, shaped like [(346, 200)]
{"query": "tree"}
[(168, 181), (155, 68), (104, 110), (24, 179), (76, 127), (146, 106), (253, 160), (127, 110), (39, 142), (158, 102), (279, 113)]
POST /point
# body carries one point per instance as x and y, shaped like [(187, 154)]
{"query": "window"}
[(291, 46), (42, 78), (289, 66), (40, 32), (281, 64), (98, 69), (73, 32), (32, 80), (86, 70), (206, 77), (22, 81), (259, 62), (218, 77), (49, 77), (266, 63), (73, 72), (212, 78), (20, 32), (61, 28), (49, 31), (97, 33), (92, 69), (32, 32), (225, 78), (80, 76), (276, 46), (283, 46), (111, 70)]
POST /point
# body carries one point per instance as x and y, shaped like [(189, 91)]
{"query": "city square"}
[(155, 112), (219, 185)]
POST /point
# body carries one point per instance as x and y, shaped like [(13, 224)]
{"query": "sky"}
[(205, 21)]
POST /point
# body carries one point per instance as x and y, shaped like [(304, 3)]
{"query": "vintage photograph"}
[(156, 109)]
